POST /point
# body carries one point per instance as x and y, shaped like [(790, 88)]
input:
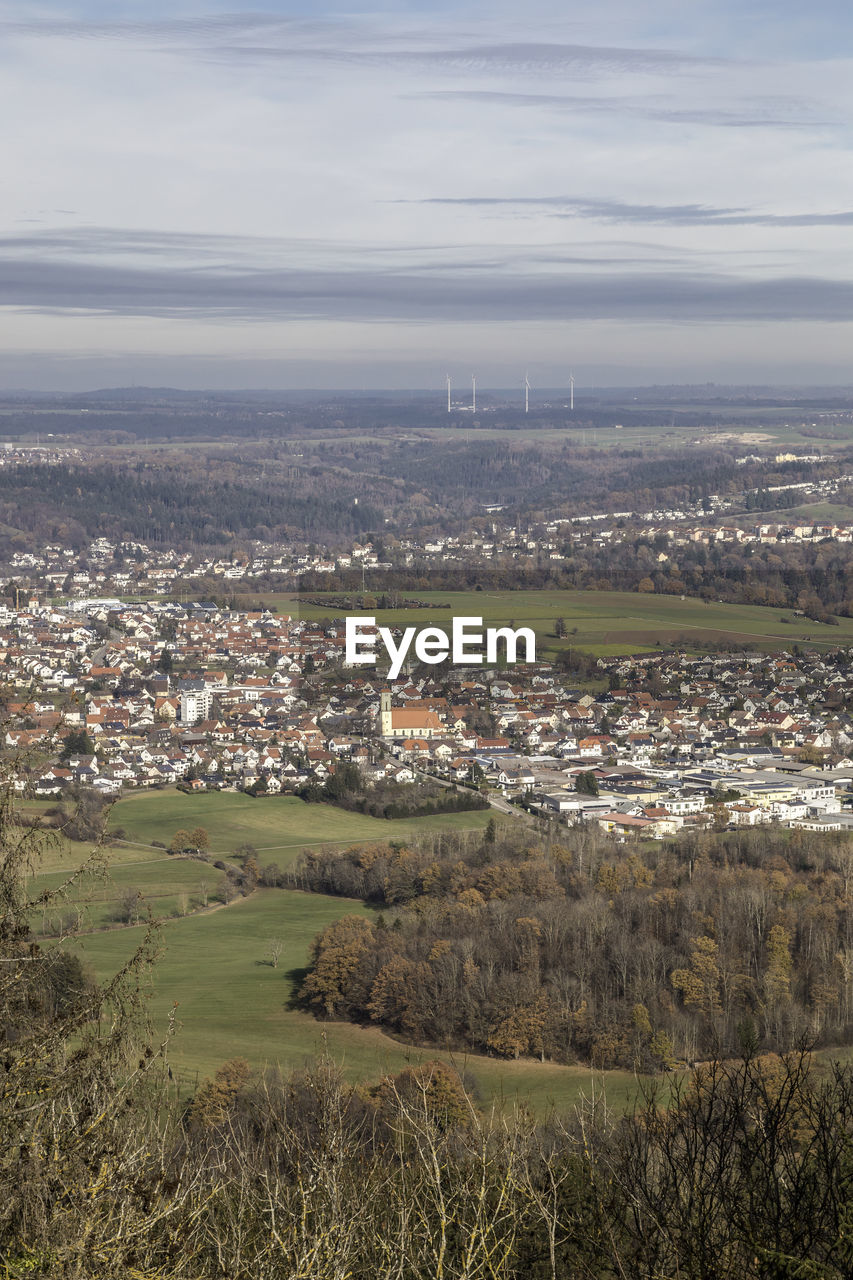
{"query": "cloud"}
[(229, 168), (440, 294), (753, 114), (249, 252), (514, 58), (679, 215), (233, 37)]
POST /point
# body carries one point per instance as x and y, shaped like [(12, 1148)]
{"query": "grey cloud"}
[(374, 296), (252, 252), (677, 215), (512, 58), (758, 113), (233, 37)]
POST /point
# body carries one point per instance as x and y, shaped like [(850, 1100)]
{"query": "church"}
[(402, 722)]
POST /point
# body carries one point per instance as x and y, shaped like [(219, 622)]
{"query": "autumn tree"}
[(700, 984), (337, 982), (199, 839), (214, 1098)]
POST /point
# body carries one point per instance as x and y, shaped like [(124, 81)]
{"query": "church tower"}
[(385, 713)]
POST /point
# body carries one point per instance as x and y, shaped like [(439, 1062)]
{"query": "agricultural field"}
[(750, 426), (278, 826), (229, 1001), (606, 623), (128, 888), (820, 512)]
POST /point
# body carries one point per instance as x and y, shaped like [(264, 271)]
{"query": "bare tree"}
[(130, 905)]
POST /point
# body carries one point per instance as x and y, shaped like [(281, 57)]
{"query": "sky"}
[(287, 196)]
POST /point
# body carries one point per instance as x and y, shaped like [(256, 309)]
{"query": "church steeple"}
[(385, 727)]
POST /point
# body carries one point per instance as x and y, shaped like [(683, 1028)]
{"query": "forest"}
[(173, 506), (331, 485), (642, 955), (741, 1168)]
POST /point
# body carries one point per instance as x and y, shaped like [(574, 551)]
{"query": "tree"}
[(335, 983), (227, 889), (130, 905), (700, 984), (87, 822), (77, 743), (199, 840), (393, 993), (434, 1090), (274, 949), (180, 842), (743, 1170), (215, 1097), (73, 1129), (520, 1031)]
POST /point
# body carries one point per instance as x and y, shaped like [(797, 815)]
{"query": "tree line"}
[(347, 789), (639, 955)]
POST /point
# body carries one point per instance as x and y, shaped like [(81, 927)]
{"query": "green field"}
[(231, 1002), (820, 512), (608, 622), (278, 826)]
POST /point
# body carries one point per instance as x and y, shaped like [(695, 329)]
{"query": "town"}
[(115, 696)]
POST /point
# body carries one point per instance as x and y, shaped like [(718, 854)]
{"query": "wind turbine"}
[(473, 393), (526, 393), (448, 393)]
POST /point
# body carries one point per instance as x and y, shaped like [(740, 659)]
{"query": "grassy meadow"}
[(606, 623), (231, 1002), (278, 826), (214, 968)]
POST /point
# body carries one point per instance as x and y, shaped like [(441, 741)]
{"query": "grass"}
[(606, 623), (278, 826), (231, 1002), (820, 512), (170, 886)]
